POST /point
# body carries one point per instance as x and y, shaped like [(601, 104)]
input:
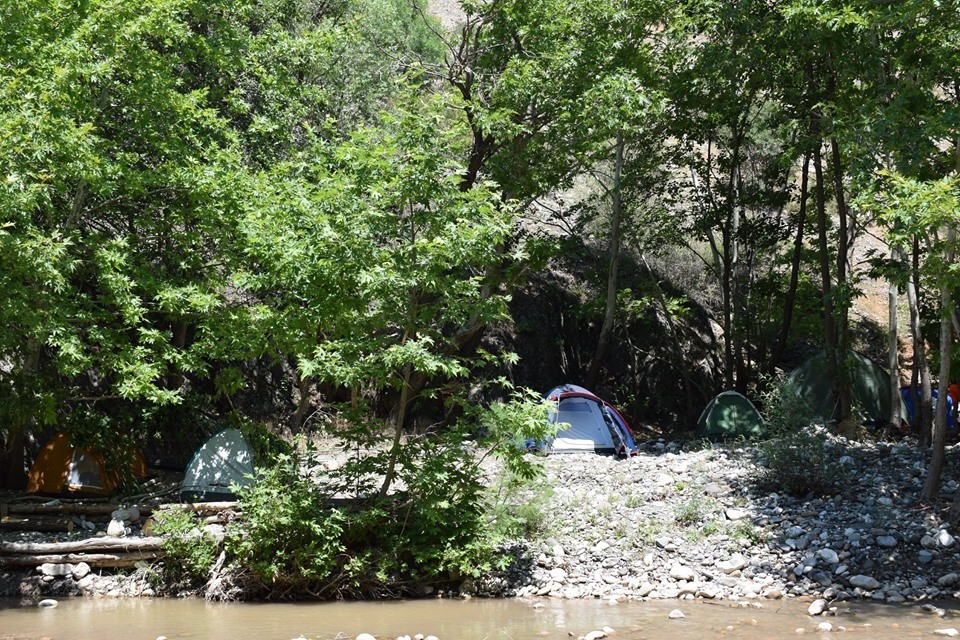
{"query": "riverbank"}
[(676, 522)]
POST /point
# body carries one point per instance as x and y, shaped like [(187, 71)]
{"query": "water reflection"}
[(122, 619)]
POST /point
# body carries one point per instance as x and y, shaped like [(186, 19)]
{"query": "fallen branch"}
[(82, 546), (202, 508), (71, 509), (14, 523), (92, 559)]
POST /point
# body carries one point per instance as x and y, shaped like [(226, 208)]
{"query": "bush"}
[(784, 409), (801, 463), (189, 554), (436, 526), (289, 540), (696, 510), (515, 507)]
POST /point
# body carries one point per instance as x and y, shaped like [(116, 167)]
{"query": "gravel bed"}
[(671, 523)]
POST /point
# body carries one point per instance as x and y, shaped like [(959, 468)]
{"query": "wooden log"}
[(202, 508), (93, 559), (19, 523), (90, 545), (71, 509)]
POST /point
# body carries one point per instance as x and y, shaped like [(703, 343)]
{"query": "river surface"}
[(147, 619)]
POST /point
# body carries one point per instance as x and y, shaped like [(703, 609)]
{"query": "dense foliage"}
[(307, 213)]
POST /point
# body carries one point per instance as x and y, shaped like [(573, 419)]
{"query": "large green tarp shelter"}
[(869, 387), (729, 415)]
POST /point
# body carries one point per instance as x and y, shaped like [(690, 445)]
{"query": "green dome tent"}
[(869, 387), (730, 414), (224, 461)]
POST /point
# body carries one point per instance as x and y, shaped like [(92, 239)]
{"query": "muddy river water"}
[(148, 619)]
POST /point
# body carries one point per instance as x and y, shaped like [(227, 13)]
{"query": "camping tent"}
[(869, 387), (730, 414), (587, 423), (62, 468), (223, 461), (907, 397)]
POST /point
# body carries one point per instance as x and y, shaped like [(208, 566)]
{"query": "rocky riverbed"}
[(681, 522), (675, 523)]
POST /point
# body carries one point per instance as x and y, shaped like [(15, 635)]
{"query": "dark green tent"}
[(869, 387), (729, 415)]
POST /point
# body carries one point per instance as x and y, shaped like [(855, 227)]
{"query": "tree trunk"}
[(794, 267), (830, 341), (922, 404), (610, 309), (893, 345), (931, 486), (841, 311)]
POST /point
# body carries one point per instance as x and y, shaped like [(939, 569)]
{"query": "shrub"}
[(189, 554), (515, 507), (289, 540), (784, 409), (801, 463), (695, 510)]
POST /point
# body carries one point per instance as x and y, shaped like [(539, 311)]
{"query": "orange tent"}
[(62, 468)]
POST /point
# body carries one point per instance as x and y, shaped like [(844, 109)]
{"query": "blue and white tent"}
[(587, 423)]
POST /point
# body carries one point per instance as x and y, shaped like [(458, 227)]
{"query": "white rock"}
[(80, 570), (49, 603), (949, 632), (824, 627), (601, 547), (557, 551), (645, 589), (864, 582), (829, 556), (680, 572), (365, 636), (676, 614), (215, 531), (733, 513), (558, 575), (736, 562), (115, 528), (51, 569), (595, 635), (431, 638), (945, 539), (817, 607)]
